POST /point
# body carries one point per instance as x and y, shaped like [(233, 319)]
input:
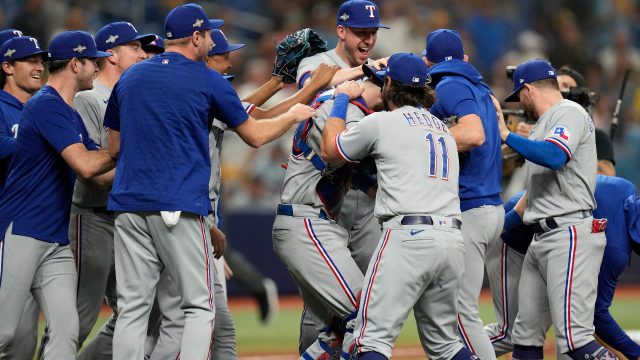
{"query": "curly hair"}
[(401, 94)]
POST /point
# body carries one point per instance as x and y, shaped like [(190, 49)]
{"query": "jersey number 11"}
[(433, 156)]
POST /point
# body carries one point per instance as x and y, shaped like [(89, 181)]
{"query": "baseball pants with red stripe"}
[(316, 253), (166, 330), (415, 267), (504, 266), (559, 280), (356, 215), (481, 228), (144, 245), (91, 240)]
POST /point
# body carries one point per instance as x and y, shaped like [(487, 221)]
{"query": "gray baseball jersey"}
[(302, 177), (307, 65), (91, 105), (560, 266), (571, 189), (417, 168), (380, 134), (216, 135)]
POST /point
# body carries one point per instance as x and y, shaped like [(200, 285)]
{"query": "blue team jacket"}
[(460, 91)]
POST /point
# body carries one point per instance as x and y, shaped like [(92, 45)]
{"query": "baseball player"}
[(306, 236), (357, 27), (618, 203), (565, 254), (418, 206), (19, 82), (464, 99), (52, 148), (170, 333), (155, 47), (7, 34), (224, 346), (160, 221), (91, 225), (357, 24)]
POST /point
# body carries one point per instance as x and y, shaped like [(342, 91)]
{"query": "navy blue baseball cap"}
[(7, 34), (74, 44), (21, 47), (407, 68), (528, 72), (221, 44), (359, 14), (443, 45), (183, 20), (118, 33), (157, 45)]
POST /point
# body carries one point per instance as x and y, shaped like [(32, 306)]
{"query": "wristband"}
[(512, 220), (340, 103)]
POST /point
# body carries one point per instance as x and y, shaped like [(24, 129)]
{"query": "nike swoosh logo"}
[(415, 231)]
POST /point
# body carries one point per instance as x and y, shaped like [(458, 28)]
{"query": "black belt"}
[(287, 210), (102, 211), (427, 220), (551, 224)]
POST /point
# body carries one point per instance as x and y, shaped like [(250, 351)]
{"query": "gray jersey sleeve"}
[(566, 129), (354, 115), (307, 65), (91, 105), (358, 141), (92, 114)]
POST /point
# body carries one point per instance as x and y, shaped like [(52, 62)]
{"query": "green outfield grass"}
[(281, 336)]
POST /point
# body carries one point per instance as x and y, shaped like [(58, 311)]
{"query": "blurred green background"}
[(279, 339)]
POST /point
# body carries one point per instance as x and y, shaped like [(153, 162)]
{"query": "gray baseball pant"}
[(25, 340), (415, 267), (504, 266), (557, 281), (47, 271), (481, 227), (171, 323), (144, 245)]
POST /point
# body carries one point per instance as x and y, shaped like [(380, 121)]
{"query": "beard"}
[(530, 112), (87, 86)]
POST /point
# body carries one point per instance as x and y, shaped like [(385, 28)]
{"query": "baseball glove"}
[(292, 49)]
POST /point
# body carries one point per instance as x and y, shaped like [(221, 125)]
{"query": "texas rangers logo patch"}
[(562, 132)]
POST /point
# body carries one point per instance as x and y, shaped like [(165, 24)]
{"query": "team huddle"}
[(390, 202)]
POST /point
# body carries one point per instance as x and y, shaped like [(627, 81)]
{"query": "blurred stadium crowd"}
[(601, 39)]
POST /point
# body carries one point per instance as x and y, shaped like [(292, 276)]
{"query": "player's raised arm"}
[(539, 82), (321, 77), (336, 122), (257, 133)]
